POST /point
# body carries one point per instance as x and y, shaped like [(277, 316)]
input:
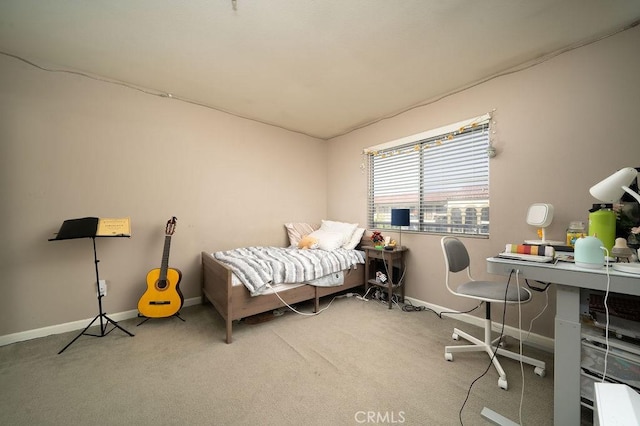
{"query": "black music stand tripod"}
[(86, 228)]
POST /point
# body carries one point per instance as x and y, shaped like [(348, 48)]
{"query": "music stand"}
[(88, 228)]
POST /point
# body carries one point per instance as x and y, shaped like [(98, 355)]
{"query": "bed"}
[(234, 299)]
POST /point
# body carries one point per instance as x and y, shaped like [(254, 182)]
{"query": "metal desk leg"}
[(566, 391)]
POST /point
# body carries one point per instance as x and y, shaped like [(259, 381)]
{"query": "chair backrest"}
[(455, 254), (456, 259)]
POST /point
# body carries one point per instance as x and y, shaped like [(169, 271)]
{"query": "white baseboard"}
[(75, 325), (535, 340)]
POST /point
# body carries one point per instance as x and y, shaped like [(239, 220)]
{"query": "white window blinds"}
[(443, 179)]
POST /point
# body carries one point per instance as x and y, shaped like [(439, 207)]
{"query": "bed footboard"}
[(235, 302), (217, 288)]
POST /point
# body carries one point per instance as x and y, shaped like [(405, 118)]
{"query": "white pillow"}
[(343, 228), (355, 239), (328, 240)]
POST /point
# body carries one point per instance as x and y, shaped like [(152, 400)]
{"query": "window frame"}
[(460, 149)]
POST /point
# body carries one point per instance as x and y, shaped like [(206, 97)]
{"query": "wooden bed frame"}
[(235, 302)]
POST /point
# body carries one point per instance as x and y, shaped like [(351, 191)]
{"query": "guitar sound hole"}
[(161, 285)]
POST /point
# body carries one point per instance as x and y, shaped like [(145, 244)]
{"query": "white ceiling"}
[(319, 67)]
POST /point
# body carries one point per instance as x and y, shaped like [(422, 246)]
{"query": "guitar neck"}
[(165, 258)]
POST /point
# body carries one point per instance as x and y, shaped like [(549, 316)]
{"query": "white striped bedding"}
[(276, 288), (256, 267)]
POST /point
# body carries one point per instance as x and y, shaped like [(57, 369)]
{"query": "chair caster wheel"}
[(540, 371), (448, 356), (503, 383), (455, 336)]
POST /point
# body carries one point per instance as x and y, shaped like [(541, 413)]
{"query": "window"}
[(442, 176)]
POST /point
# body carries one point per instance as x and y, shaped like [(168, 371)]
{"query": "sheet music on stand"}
[(89, 227)]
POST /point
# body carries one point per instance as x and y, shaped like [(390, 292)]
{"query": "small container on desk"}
[(389, 259)]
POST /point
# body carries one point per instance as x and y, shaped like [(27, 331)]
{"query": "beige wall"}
[(72, 147), (561, 126)]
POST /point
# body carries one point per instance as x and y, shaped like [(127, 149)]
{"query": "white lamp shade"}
[(611, 189)]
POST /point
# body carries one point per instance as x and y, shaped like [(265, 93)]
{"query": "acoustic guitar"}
[(162, 297)]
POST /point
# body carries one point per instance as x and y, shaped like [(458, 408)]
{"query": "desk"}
[(569, 279)]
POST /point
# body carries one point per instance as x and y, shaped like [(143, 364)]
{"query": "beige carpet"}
[(356, 363)]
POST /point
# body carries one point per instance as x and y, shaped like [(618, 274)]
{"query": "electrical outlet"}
[(102, 287)]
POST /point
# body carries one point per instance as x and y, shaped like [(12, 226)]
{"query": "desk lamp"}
[(610, 190), (400, 217), (603, 222)]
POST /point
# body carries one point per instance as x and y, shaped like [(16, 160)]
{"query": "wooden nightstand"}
[(387, 259)]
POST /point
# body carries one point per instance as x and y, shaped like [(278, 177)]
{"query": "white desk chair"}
[(456, 259)]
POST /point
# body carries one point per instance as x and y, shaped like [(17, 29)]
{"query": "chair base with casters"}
[(457, 260), (490, 347)]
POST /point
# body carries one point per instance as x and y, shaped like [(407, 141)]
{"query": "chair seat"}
[(493, 291)]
